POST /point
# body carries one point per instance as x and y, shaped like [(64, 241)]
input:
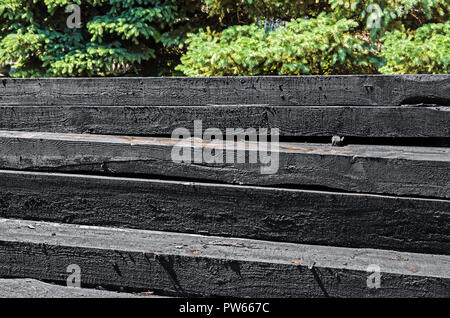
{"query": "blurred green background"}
[(224, 37)]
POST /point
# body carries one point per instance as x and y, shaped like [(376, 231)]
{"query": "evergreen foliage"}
[(224, 37)]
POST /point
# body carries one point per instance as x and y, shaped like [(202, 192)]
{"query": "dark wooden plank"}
[(311, 217), (31, 288), (368, 121), (270, 90), (182, 264), (412, 171)]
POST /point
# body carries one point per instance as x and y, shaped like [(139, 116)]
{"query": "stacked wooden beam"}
[(87, 177)]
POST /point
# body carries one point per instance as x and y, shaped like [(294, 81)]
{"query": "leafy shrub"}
[(404, 11), (336, 41), (426, 50), (392, 11), (148, 37), (117, 37), (322, 45), (249, 11)]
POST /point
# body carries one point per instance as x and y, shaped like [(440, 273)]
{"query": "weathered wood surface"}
[(412, 171), (31, 288), (182, 264), (292, 121), (415, 217), (311, 217), (271, 90)]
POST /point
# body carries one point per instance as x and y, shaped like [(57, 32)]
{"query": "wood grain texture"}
[(311, 217), (366, 90), (292, 121), (182, 264), (31, 288), (411, 171)]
